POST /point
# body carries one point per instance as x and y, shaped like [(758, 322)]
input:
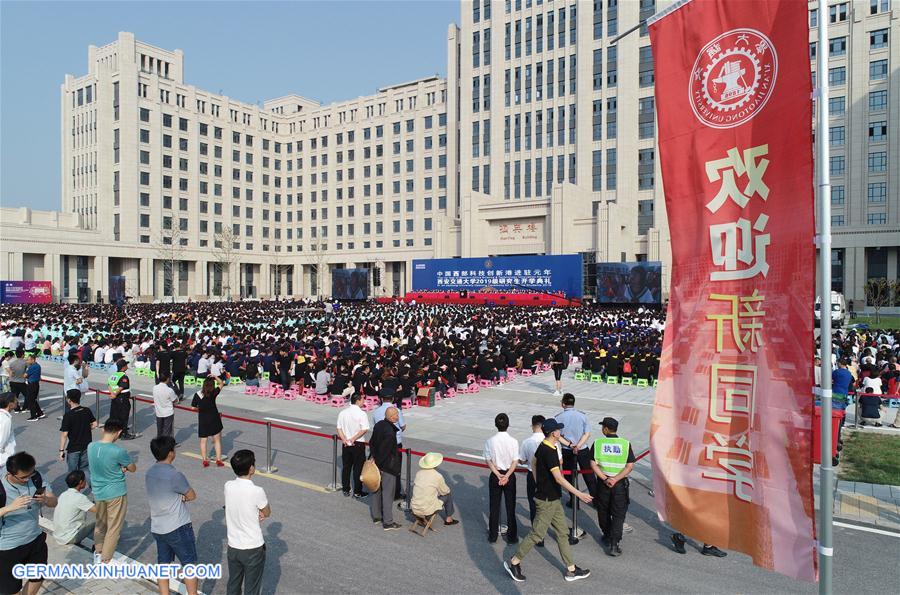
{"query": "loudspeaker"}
[(376, 277), (99, 298)]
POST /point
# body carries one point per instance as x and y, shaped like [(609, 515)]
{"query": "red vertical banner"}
[(731, 430)]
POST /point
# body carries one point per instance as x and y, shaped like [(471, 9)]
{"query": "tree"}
[(170, 251), (318, 264), (276, 268), (880, 293), (224, 257)]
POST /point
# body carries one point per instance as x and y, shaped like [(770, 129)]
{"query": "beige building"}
[(543, 124)]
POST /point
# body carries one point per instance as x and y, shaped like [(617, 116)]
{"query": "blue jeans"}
[(180, 542), (79, 460)]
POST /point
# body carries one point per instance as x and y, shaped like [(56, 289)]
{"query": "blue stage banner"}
[(549, 274)]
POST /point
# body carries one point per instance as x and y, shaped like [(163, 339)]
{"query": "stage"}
[(489, 299)]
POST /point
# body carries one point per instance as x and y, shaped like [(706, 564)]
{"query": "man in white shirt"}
[(501, 452), (164, 398), (203, 367), (8, 403), (352, 425), (245, 506), (99, 354), (70, 524)]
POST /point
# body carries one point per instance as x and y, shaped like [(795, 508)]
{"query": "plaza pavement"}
[(320, 542)]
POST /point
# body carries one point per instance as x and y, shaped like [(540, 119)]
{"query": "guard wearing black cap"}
[(120, 391), (613, 461)]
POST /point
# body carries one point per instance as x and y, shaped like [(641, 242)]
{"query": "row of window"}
[(837, 46), (314, 142), (871, 219), (837, 76), (877, 134), (837, 13), (367, 245)]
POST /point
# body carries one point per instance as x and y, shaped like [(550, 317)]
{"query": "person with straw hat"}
[(430, 492)]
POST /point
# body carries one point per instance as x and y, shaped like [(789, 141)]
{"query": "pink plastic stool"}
[(250, 390)]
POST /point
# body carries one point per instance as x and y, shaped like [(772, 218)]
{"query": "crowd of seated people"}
[(383, 349)]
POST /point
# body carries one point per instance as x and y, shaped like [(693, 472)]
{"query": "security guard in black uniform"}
[(613, 461), (120, 390)]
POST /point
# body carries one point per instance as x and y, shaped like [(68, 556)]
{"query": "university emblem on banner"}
[(733, 78)]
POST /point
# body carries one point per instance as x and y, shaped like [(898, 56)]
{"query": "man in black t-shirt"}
[(75, 432), (549, 482), (179, 369)]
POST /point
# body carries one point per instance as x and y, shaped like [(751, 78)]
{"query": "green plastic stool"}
[(655, 382), (580, 376), (628, 381), (235, 380), (642, 382), (612, 380), (190, 381), (598, 378), (265, 375)]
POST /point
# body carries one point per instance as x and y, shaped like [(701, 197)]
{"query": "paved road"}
[(322, 542)]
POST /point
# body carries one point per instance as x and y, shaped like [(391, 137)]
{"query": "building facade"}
[(542, 140)]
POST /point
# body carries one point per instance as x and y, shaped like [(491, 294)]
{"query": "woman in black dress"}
[(209, 419)]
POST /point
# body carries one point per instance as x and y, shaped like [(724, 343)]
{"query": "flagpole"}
[(826, 475)]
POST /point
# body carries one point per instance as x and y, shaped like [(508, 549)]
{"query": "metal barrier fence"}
[(334, 486)]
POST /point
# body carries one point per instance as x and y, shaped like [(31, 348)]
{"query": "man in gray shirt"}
[(168, 491), (17, 384)]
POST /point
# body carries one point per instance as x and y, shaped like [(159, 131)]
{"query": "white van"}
[(838, 309)]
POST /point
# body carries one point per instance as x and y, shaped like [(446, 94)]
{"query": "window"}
[(837, 76), (877, 161), (876, 218), (646, 159), (814, 17), (878, 70), (645, 67), (837, 163), (145, 115), (611, 118), (611, 159), (878, 39), (876, 6), (612, 67), (877, 192), (145, 136), (596, 174), (837, 220), (837, 105), (645, 117), (596, 122), (837, 13), (837, 195), (837, 46), (877, 132), (877, 101), (836, 136)]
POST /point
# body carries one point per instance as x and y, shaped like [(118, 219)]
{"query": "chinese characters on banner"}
[(731, 430), (530, 230)]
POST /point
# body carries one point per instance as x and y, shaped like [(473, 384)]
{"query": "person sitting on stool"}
[(430, 492), (613, 461)]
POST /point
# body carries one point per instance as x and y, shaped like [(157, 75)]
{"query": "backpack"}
[(626, 369), (36, 479)]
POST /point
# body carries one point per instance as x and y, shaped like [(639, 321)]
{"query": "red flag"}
[(731, 430)]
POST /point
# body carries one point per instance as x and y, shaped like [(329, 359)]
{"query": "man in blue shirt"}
[(841, 383), (574, 439), (21, 539), (33, 378)]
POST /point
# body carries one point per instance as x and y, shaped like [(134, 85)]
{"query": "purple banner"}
[(26, 292)]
